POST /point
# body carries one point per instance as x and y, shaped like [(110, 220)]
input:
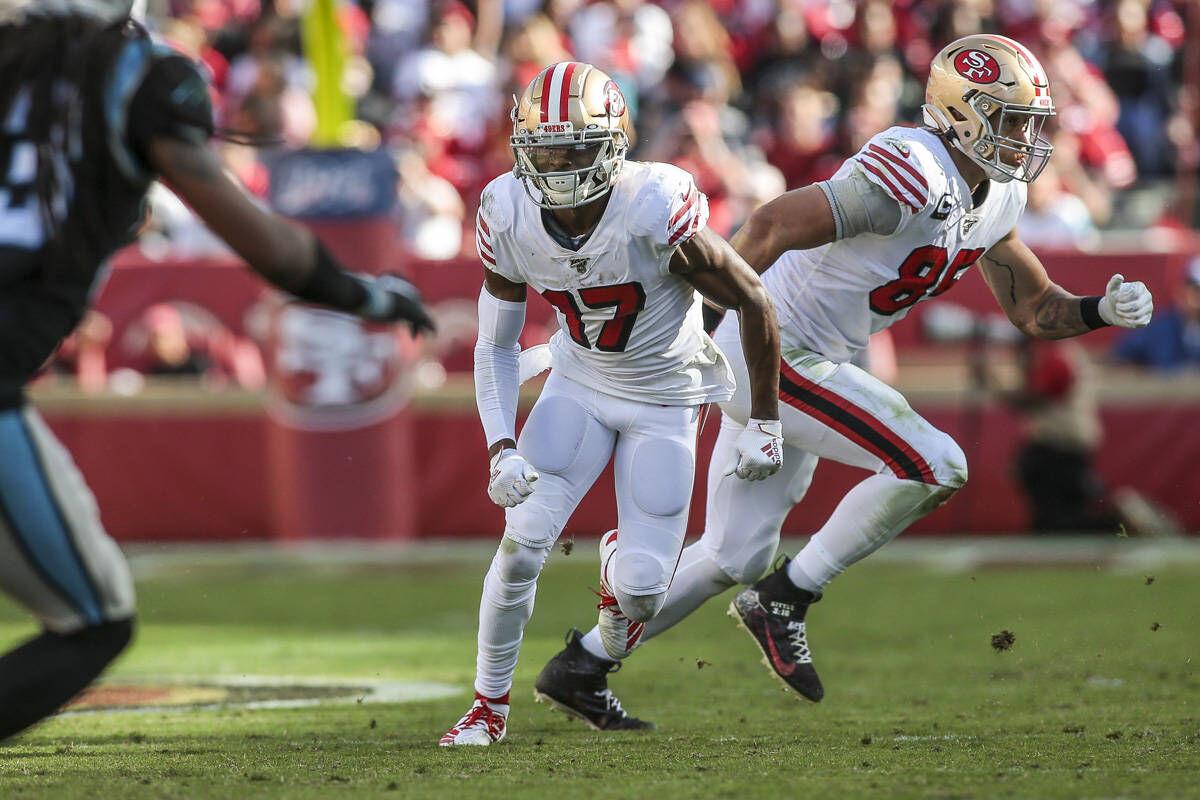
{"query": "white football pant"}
[(828, 410), (570, 435)]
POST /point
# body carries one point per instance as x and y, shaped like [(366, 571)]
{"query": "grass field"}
[(1098, 697)]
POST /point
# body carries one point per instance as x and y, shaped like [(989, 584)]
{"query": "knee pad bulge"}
[(661, 477)]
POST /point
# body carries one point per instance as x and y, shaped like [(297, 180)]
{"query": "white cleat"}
[(618, 633), (481, 726)]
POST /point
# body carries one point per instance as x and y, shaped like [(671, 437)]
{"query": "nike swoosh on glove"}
[(1126, 305), (759, 450), (390, 298), (512, 479)]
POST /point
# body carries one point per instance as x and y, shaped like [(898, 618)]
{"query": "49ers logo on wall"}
[(331, 371), (614, 100), (977, 66)]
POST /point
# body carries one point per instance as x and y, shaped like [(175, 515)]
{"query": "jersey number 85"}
[(924, 273)]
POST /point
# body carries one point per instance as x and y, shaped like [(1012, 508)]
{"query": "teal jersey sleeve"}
[(154, 92)]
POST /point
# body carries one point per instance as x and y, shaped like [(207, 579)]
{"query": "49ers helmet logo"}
[(614, 100), (977, 66)]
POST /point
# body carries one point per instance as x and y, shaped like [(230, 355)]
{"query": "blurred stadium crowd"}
[(752, 96)]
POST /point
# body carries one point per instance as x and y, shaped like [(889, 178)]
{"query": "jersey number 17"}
[(627, 300)]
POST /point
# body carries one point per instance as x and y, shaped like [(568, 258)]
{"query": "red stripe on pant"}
[(893, 451)]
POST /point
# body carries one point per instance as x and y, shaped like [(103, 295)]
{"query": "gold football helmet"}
[(989, 96), (570, 133)]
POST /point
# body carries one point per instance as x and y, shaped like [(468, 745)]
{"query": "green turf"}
[(1090, 702)]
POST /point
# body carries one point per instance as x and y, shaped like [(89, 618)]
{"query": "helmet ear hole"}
[(958, 115)]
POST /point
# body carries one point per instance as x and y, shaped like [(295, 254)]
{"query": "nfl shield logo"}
[(580, 265)]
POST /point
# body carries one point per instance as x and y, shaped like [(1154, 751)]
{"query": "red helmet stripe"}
[(1038, 76), (564, 96), (550, 93), (545, 111)]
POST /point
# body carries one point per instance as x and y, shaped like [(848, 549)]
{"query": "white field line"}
[(943, 554), (358, 691)]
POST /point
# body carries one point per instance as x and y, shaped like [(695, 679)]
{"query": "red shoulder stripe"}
[(891, 187), (913, 192), (917, 194), (685, 231), (485, 246), (688, 200), (902, 162)]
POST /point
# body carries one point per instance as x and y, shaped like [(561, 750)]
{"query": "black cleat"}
[(576, 682), (772, 611)]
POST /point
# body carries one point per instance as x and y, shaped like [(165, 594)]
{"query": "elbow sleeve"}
[(496, 366), (860, 206)]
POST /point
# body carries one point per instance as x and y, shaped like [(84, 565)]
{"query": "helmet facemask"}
[(565, 168), (1001, 155)]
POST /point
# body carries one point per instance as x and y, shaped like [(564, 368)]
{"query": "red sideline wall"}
[(202, 473), (230, 292), (203, 476)]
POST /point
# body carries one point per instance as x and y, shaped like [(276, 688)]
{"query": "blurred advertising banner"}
[(338, 447), (338, 184)]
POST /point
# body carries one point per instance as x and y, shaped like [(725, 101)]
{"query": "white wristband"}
[(771, 427)]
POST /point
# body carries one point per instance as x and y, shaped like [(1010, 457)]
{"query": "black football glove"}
[(390, 298)]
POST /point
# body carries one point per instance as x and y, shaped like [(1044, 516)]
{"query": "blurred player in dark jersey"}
[(92, 111)]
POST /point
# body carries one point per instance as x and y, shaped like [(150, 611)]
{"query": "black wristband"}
[(1089, 309), (330, 285)]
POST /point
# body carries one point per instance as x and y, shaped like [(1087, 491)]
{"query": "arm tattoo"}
[(1055, 316), (1012, 279), (1058, 316)]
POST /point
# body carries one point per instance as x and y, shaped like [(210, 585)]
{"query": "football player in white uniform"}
[(900, 222), (619, 249)]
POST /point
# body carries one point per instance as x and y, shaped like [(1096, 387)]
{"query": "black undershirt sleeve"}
[(172, 101)]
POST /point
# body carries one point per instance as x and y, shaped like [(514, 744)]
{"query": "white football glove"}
[(512, 478), (1126, 305), (759, 450)]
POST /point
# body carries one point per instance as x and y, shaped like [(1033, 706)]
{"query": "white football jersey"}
[(832, 298), (627, 326)]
